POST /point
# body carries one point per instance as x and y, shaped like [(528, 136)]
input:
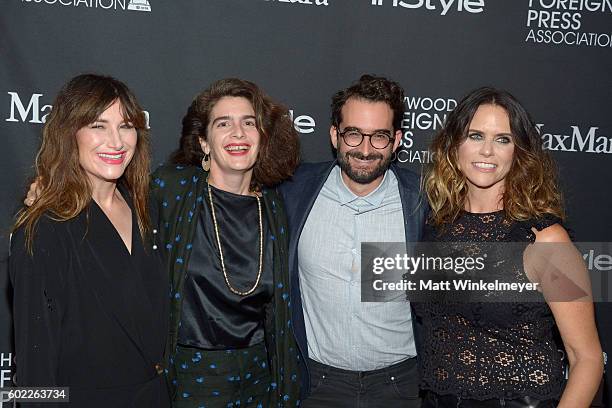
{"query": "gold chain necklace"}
[(227, 282)]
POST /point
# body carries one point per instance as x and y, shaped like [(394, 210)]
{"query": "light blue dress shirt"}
[(342, 331)]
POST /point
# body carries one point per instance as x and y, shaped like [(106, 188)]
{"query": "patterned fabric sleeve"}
[(522, 230)]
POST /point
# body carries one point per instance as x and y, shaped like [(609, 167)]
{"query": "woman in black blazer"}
[(90, 294)]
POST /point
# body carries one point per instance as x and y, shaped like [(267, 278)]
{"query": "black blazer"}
[(300, 194), (88, 314)]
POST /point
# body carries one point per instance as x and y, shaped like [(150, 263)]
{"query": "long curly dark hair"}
[(279, 151)]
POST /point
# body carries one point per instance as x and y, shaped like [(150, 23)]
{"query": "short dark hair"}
[(374, 89), (279, 151)]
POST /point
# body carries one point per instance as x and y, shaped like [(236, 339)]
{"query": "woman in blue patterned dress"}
[(491, 181), (223, 229)]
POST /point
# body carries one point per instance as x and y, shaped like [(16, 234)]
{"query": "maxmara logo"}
[(441, 6), (114, 5), (576, 140), (32, 110)]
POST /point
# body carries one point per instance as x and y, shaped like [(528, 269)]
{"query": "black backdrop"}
[(554, 55)]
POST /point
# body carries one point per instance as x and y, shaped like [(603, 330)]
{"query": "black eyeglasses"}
[(353, 137)]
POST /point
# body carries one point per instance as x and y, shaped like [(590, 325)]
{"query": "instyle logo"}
[(561, 22), (598, 261), (423, 116), (31, 109), (304, 2), (111, 5), (303, 123), (595, 260), (577, 140), (441, 6)]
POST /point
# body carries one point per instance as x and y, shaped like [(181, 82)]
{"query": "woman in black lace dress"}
[(491, 181)]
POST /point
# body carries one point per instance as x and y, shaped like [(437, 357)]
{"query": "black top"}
[(88, 314), (483, 350), (213, 317)]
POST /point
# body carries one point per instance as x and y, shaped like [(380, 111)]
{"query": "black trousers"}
[(433, 400), (395, 386)]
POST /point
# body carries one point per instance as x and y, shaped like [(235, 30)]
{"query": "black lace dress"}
[(490, 350)]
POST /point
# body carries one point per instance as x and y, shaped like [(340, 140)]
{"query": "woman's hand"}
[(33, 193)]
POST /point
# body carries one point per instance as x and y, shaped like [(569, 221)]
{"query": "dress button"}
[(154, 246), (155, 231), (159, 369)]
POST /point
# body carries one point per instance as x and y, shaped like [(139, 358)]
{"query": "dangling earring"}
[(206, 162)]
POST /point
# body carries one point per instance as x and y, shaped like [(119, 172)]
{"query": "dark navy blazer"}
[(300, 194)]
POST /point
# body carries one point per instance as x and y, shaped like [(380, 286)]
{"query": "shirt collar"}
[(346, 196)]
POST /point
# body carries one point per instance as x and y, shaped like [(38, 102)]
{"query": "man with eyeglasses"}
[(354, 354)]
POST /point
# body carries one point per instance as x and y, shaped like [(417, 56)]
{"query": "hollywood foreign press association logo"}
[(570, 23), (139, 5), (423, 116), (109, 5)]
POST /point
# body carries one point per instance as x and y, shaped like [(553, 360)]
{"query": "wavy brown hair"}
[(530, 188), (279, 150), (65, 190)]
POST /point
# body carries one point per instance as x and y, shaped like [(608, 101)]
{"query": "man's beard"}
[(363, 176)]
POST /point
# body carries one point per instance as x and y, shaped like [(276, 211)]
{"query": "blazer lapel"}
[(300, 208), (116, 280), (411, 200)]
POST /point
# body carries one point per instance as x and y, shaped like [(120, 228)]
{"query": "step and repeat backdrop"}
[(554, 55)]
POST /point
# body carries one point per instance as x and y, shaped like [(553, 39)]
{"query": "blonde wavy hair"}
[(65, 190), (530, 189)]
